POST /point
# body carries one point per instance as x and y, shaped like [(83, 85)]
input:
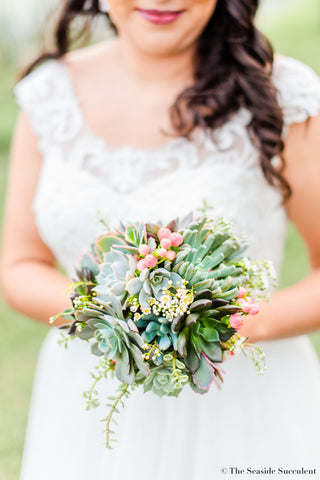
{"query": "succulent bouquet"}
[(162, 306)]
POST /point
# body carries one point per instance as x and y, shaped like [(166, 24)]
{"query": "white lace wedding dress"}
[(254, 421)]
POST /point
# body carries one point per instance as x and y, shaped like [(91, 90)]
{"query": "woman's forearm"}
[(36, 289), (292, 311), (39, 291)]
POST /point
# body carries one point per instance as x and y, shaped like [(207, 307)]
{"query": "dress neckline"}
[(173, 143)]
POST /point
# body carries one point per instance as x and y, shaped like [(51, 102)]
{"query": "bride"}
[(185, 104)]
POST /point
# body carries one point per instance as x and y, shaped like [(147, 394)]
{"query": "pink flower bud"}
[(144, 250), (236, 321), (141, 265), (241, 301), (249, 300), (246, 307), (254, 310), (150, 261), (165, 243), (176, 239), (164, 233), (242, 292), (171, 255), (162, 252)]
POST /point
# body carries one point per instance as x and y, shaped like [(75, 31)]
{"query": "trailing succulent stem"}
[(123, 392)]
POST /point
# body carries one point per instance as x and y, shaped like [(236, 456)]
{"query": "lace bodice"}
[(83, 179)]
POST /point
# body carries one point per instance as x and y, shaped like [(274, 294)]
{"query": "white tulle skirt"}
[(253, 422)]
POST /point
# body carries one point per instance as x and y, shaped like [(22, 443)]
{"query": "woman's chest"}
[(129, 115)]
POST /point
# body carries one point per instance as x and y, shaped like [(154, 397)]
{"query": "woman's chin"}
[(159, 44)]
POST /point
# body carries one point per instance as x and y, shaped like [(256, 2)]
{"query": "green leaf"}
[(132, 234), (204, 284), (204, 376), (176, 323), (189, 272), (225, 333), (149, 336), (196, 277), (180, 365), (95, 350), (152, 244), (176, 279), (181, 256), (118, 288), (196, 389), (124, 325), (126, 249), (124, 371), (153, 229), (192, 360), (164, 329), (85, 332), (182, 344), (144, 299), (206, 293), (137, 355), (147, 387), (105, 242), (200, 305), (168, 357), (230, 294), (224, 271), (192, 319), (90, 312), (152, 327), (228, 309), (196, 342), (164, 342), (88, 261), (212, 350), (209, 334), (134, 286)]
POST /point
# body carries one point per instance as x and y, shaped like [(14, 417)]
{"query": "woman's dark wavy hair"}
[(233, 68)]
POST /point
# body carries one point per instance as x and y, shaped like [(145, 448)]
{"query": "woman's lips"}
[(160, 17)]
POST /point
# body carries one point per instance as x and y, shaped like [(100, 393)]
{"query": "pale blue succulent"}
[(116, 270), (152, 284), (168, 378), (117, 339)]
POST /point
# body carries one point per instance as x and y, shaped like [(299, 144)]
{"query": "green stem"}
[(96, 381), (113, 410)]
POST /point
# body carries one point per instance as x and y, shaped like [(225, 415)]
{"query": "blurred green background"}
[(294, 30)]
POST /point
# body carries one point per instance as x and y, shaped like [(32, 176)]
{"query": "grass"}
[(296, 34)]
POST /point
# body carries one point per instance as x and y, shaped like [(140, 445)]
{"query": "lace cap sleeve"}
[(47, 97), (299, 89)]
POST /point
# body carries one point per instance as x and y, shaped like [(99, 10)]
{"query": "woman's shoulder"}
[(50, 91), (54, 76), (97, 58), (298, 88)]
